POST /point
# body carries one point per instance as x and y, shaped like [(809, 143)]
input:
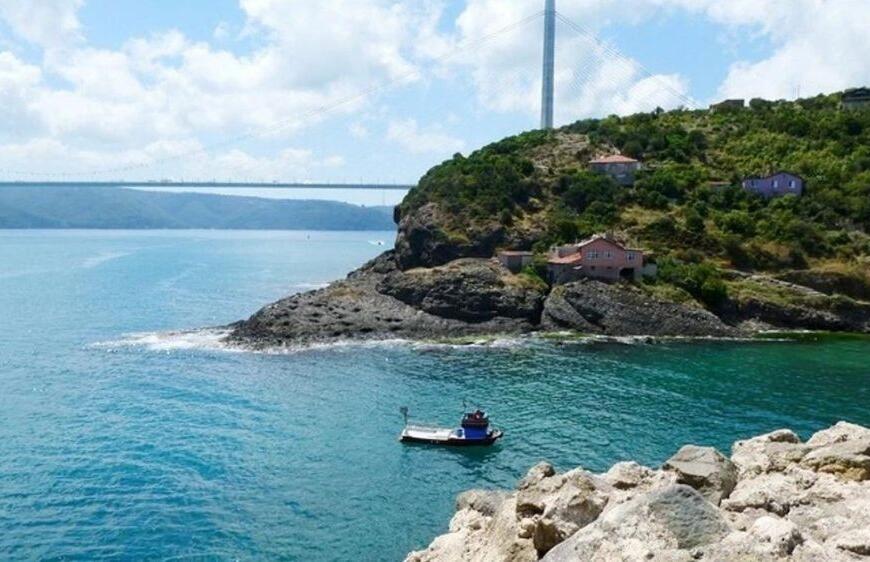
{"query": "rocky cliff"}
[(776, 498), (466, 297), (477, 297)]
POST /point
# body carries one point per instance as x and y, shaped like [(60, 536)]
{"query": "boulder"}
[(769, 452), (774, 493), (846, 459), (790, 503), (485, 502), (855, 541), (475, 537), (769, 538), (665, 524), (841, 431), (705, 469), (560, 505), (627, 475)]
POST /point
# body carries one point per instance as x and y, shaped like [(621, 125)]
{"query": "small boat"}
[(474, 430)]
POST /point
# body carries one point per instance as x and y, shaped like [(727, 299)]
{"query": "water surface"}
[(118, 441)]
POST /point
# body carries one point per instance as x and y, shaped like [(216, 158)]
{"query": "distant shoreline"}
[(102, 208), (190, 229)]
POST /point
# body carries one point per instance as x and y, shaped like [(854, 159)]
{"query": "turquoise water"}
[(119, 441)]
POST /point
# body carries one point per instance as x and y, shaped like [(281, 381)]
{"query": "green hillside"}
[(534, 190), (101, 208)]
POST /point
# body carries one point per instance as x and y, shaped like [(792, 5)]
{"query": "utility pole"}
[(549, 64)]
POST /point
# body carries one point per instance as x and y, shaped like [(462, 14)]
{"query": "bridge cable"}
[(615, 53)]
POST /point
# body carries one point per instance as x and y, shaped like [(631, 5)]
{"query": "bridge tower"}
[(547, 97)]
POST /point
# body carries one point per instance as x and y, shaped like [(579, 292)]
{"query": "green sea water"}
[(121, 439)]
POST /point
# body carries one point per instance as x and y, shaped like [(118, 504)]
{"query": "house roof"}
[(566, 260), (613, 159), (856, 93), (515, 253), (597, 237), (777, 173)]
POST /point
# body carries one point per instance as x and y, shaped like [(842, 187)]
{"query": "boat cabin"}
[(475, 425)]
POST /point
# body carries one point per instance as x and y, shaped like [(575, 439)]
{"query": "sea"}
[(128, 431)]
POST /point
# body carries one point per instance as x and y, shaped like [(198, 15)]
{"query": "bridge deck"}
[(234, 185)]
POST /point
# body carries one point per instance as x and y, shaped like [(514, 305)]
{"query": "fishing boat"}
[(474, 430)]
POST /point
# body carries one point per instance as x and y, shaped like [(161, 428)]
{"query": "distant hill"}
[(109, 208)]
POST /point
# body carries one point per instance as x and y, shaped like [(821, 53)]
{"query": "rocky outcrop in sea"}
[(775, 499), (464, 297)]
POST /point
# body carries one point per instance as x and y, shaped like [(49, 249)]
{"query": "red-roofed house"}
[(620, 168), (599, 257)]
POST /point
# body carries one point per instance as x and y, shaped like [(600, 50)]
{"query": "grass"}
[(743, 290), (668, 292)]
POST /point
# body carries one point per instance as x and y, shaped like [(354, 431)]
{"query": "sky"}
[(375, 90)]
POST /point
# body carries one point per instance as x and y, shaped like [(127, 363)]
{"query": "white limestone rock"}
[(769, 452), (779, 500), (704, 469), (841, 431)]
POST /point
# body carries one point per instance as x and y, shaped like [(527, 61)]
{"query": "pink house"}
[(601, 257), (620, 168)]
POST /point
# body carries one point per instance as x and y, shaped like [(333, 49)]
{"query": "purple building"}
[(776, 185)]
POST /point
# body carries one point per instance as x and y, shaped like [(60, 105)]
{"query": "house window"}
[(629, 256), (608, 255), (592, 255), (792, 184), (775, 184)]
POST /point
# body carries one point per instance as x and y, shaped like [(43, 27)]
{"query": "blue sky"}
[(235, 89)]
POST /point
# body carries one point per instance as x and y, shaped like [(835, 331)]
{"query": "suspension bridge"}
[(602, 64)]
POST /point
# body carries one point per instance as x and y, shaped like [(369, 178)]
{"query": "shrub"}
[(703, 280)]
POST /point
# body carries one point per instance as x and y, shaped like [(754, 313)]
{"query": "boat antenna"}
[(404, 411)]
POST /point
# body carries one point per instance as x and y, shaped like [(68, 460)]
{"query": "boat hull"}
[(452, 441)]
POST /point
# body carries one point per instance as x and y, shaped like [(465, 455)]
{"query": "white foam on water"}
[(216, 339), (310, 286), (99, 259), (207, 339)]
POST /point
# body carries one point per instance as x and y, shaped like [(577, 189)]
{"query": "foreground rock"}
[(775, 499)]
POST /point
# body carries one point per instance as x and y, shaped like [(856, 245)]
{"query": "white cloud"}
[(165, 87), (184, 158), (167, 90), (506, 70), (47, 23), (408, 134), (818, 47)]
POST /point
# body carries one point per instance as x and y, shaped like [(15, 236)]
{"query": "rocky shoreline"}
[(470, 297), (776, 498)]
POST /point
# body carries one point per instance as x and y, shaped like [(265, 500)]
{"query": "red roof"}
[(515, 253), (566, 260), (613, 159)]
